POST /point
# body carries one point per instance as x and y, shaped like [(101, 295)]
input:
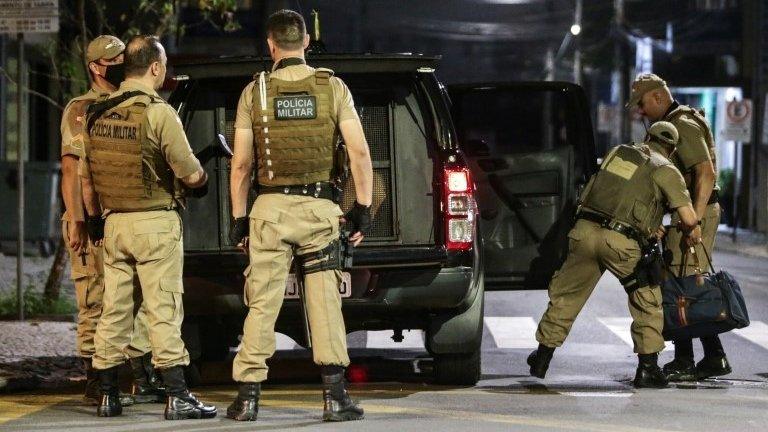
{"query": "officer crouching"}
[(620, 211), (290, 120), (138, 162)]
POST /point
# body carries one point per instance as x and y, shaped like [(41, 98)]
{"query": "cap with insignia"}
[(104, 47), (642, 85)]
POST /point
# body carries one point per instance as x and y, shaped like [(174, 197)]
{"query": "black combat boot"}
[(712, 367), (147, 386), (246, 404), (109, 403), (714, 363), (92, 393), (338, 406), (649, 374), (180, 403), (680, 369), (539, 360)]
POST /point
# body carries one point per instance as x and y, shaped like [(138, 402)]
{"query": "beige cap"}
[(104, 47), (642, 85), (664, 132)]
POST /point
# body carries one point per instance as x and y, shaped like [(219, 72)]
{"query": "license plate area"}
[(292, 286)]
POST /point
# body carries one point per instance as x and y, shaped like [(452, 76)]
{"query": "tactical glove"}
[(359, 218), (239, 230), (199, 192), (95, 227)]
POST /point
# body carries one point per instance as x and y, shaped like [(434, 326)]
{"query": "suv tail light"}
[(458, 208)]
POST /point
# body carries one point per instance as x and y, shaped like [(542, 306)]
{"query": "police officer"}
[(137, 158), (695, 158), (105, 67), (290, 120), (619, 211)]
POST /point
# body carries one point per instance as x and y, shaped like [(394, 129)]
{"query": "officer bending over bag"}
[(620, 210)]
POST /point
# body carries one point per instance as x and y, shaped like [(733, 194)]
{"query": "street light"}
[(575, 29)]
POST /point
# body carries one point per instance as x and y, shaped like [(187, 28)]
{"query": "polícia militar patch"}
[(301, 107)]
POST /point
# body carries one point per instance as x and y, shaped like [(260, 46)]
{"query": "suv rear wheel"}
[(458, 369)]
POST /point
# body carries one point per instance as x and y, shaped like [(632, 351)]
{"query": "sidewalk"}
[(38, 354), (747, 242)]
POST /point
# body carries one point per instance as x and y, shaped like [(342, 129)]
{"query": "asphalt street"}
[(587, 389)]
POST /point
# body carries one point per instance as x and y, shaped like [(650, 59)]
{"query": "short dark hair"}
[(140, 52), (287, 29)]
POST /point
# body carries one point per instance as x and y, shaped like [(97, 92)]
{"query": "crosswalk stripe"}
[(283, 342), (383, 340), (620, 326), (757, 333), (512, 332)]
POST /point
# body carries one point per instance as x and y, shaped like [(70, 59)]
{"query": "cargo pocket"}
[(174, 288), (328, 216), (574, 237), (623, 248), (157, 238), (263, 231), (247, 277), (651, 297)]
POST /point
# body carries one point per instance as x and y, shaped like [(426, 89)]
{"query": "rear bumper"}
[(391, 288)]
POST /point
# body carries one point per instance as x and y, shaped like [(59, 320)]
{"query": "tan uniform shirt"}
[(693, 147), (671, 184), (343, 105), (164, 132), (72, 123)]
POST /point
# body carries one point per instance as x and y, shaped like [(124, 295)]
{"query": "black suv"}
[(501, 160)]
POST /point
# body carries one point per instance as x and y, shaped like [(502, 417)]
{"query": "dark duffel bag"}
[(702, 305)]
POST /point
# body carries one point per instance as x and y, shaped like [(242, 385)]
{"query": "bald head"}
[(145, 60)]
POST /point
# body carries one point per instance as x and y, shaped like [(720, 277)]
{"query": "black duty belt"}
[(318, 190), (611, 224), (714, 197)]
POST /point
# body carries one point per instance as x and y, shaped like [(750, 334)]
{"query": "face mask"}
[(115, 74)]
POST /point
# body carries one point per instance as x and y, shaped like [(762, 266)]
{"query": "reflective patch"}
[(622, 168), (295, 107)]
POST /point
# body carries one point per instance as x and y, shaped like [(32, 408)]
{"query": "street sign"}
[(738, 121), (29, 16)]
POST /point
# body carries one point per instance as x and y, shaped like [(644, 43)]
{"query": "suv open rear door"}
[(530, 148)]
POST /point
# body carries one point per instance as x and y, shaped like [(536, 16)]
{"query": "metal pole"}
[(577, 44), (20, 168), (736, 186)]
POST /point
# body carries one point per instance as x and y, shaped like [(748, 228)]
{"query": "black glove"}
[(95, 227), (199, 192), (239, 230), (358, 218)]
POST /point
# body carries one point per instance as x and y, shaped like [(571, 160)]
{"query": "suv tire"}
[(458, 369)]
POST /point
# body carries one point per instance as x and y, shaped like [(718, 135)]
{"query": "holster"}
[(336, 256), (649, 270)]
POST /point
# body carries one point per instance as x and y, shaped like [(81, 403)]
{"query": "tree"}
[(80, 21)]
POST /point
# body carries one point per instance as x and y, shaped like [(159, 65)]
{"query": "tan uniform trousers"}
[(146, 246), (278, 225), (87, 272), (674, 241), (591, 251)]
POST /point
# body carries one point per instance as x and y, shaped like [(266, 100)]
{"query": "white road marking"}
[(620, 326), (617, 394), (757, 333), (383, 339), (512, 332), (283, 342)]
